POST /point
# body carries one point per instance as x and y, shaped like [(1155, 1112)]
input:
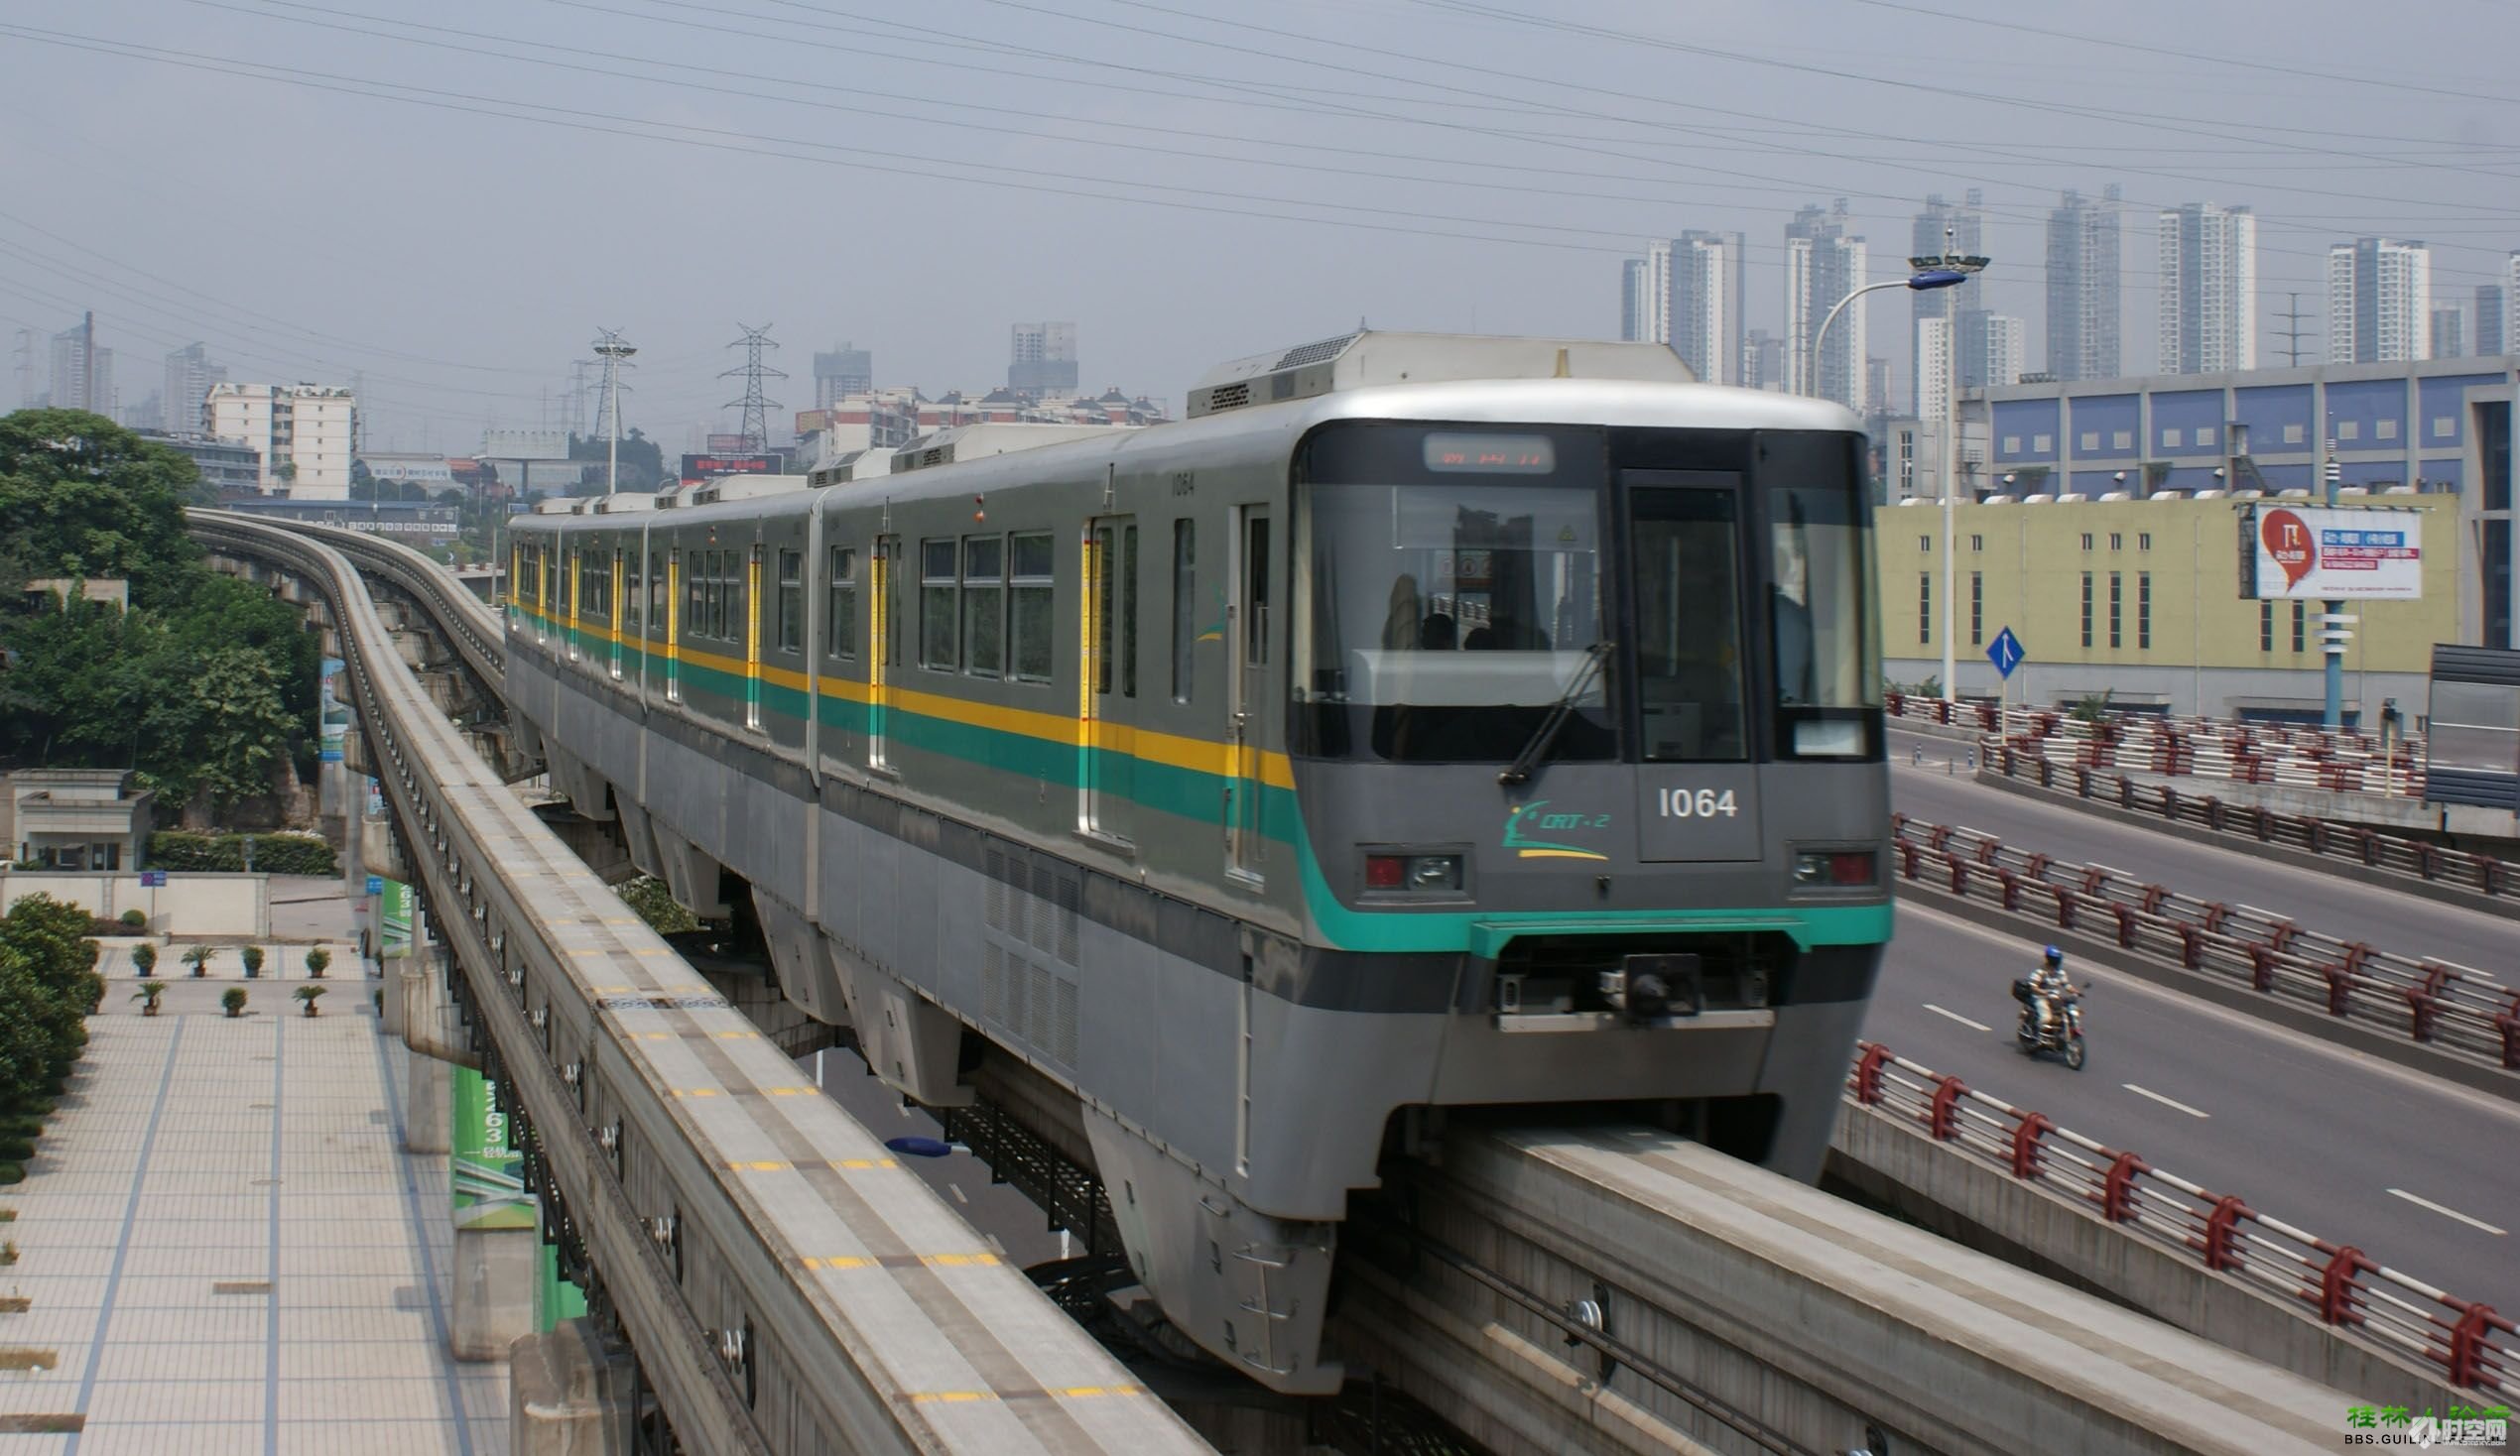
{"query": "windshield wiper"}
[(1519, 771)]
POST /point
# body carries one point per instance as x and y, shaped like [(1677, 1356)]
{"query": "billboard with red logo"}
[(697, 469), (2331, 554)]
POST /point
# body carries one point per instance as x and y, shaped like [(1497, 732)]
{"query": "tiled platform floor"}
[(227, 1251)]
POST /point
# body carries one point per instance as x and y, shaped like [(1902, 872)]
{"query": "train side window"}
[(1256, 563), (984, 605), (694, 593), (938, 589), (1033, 559), (843, 636), (631, 601), (1185, 605), (1129, 610), (658, 587), (791, 601)]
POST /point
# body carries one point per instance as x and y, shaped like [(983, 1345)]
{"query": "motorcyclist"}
[(2051, 988)]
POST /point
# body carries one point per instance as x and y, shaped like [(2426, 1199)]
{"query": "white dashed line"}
[(2164, 1101), (1956, 1016), (2473, 1223), (959, 1196)]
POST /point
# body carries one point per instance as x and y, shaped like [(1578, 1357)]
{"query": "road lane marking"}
[(1956, 1016), (2164, 1101), (2473, 1223), (959, 1196)]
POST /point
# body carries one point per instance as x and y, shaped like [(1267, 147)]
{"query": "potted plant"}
[(233, 999), (198, 958), (148, 995), (253, 961), (316, 960), (308, 995), (144, 959)]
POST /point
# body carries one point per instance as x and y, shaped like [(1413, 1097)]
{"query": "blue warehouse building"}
[(2441, 426)]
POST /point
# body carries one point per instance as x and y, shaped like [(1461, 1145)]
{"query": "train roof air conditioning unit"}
[(1366, 358)]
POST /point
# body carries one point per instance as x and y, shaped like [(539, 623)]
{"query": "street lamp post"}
[(1948, 271)]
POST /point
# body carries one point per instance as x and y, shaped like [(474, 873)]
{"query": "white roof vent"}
[(2115, 495), (1363, 359), (2038, 500), (1998, 501), (2071, 498)]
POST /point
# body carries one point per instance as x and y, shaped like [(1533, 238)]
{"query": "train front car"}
[(1584, 732)]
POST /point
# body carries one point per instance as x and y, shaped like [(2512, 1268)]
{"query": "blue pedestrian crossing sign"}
[(2005, 653), (376, 884)]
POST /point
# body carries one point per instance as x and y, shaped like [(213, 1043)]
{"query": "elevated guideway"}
[(1689, 1250), (786, 1287)]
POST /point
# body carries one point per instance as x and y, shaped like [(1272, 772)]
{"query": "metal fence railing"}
[(2480, 873), (2361, 1298), (2452, 1008)]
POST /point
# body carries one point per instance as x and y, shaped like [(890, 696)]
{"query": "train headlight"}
[(1414, 873)]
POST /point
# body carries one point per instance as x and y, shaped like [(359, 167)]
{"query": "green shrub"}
[(143, 957), (316, 960), (136, 919), (253, 956), (233, 999), (16, 1150), (12, 1172), (273, 854)]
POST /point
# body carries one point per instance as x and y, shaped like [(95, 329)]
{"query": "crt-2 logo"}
[(1521, 824)]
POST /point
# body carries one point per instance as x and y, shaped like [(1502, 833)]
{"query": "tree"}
[(221, 737), (81, 676), (81, 496)]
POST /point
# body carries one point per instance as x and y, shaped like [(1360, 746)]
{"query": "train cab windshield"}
[(1454, 585)]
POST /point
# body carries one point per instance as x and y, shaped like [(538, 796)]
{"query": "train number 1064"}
[(1695, 803)]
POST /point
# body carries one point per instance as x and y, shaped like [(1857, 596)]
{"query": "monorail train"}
[(1428, 723)]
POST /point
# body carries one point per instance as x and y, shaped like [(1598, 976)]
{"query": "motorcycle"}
[(2065, 1038)]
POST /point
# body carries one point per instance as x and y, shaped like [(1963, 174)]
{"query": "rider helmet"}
[(2055, 957)]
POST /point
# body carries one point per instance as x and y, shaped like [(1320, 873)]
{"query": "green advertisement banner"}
[(489, 1185), (394, 910), (555, 1298)]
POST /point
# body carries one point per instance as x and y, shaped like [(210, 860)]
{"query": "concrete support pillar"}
[(431, 1027), (425, 1109), (496, 1272), (569, 1393)]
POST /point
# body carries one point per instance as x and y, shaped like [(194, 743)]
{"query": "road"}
[(2328, 1140), (2328, 904)]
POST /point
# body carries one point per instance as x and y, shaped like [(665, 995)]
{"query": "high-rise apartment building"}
[(1763, 360), (2207, 290), (82, 371), (2493, 322), (1996, 340), (2082, 287), (842, 373), (2450, 332), (2379, 302), (1636, 293), (190, 373), (1933, 368), (1953, 228), (303, 431), (1704, 320), (1823, 264), (1045, 359)]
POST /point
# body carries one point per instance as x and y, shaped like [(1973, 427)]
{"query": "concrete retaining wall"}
[(1888, 1164), (190, 904)]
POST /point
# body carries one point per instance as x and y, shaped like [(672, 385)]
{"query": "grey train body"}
[(1108, 852)]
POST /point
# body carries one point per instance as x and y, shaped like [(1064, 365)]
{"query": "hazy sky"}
[(453, 197)]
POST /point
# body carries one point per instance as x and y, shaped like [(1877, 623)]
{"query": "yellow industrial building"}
[(2142, 599)]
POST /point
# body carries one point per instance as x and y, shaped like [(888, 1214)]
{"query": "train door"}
[(1247, 601), (1110, 676), (881, 632)]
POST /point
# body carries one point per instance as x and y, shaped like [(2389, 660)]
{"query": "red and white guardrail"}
[(2453, 1008), (2475, 1348), (2342, 761)]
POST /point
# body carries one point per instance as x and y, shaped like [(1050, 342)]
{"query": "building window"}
[(2012, 445), (2493, 450), (2143, 540), (2116, 606), (2266, 626), (2086, 541), (2205, 435), (1033, 556), (2497, 583), (2086, 609), (1977, 609), (841, 633), (2091, 439), (2144, 611), (939, 587), (2040, 444), (1925, 608), (2117, 541), (1185, 606), (2292, 434), (2444, 427), (2170, 439), (984, 605), (2301, 626), (1924, 543), (1977, 543), (2348, 430), (2384, 429), (2122, 439), (791, 601)]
